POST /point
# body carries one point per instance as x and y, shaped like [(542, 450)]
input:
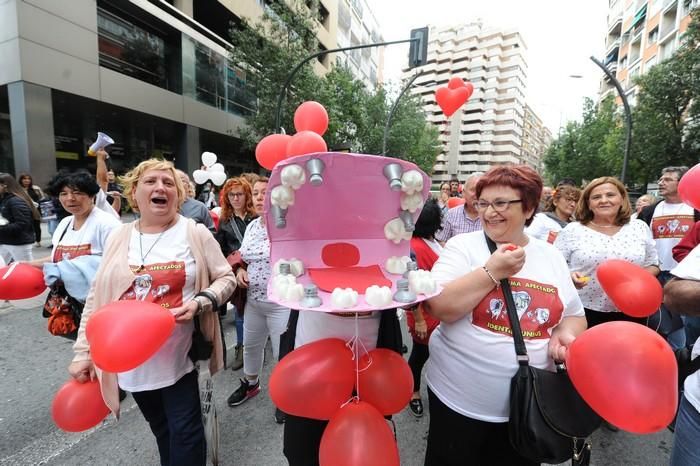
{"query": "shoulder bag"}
[(549, 421)]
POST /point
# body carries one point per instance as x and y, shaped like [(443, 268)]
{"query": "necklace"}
[(143, 256), (604, 226)]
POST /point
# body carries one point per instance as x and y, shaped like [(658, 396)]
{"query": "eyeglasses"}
[(666, 179), (498, 205), (236, 194)]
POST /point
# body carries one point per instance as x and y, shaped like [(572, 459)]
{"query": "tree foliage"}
[(271, 48)]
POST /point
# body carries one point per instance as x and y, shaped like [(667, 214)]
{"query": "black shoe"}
[(404, 349), (280, 416), (243, 393), (122, 395), (416, 406)]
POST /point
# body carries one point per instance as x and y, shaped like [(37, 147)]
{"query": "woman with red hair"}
[(472, 353), (237, 212)]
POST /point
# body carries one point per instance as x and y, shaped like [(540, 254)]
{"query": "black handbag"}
[(549, 422)]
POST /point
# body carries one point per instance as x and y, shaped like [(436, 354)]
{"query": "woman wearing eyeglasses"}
[(558, 212), (237, 212), (472, 354)]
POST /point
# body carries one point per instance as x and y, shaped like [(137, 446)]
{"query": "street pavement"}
[(33, 367)]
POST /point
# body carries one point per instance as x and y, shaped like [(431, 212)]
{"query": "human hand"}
[(242, 278), (506, 261), (580, 280), (82, 371), (421, 328), (185, 313), (102, 154), (559, 344)]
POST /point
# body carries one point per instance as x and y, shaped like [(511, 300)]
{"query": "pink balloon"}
[(311, 116), (689, 187), (306, 142), (124, 334), (21, 281), (78, 406), (627, 373), (272, 149)]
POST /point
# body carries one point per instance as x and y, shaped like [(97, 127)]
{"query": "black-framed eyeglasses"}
[(236, 194), (497, 205)]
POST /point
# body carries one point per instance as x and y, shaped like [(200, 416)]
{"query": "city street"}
[(33, 367)]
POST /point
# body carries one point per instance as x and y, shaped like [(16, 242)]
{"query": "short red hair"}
[(521, 178)]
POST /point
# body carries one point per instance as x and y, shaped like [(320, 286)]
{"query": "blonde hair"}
[(585, 215), (131, 178)]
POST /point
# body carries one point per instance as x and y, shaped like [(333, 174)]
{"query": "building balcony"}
[(612, 46)]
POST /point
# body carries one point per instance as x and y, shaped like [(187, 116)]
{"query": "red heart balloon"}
[(272, 149), (314, 380), (456, 82), (689, 187), (124, 334), (450, 100), (454, 202), (78, 406), (385, 380), (632, 289), (305, 142), (311, 116), (358, 435), (21, 281), (627, 373)]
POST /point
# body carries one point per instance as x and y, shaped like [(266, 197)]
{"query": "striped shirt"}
[(455, 222)]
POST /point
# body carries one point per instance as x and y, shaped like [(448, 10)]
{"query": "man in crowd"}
[(192, 208), (463, 218), (454, 187)]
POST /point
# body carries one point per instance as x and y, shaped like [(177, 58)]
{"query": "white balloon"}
[(218, 177), (208, 158), (200, 176), (217, 167)]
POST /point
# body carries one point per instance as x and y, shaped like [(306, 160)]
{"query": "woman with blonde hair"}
[(180, 264), (558, 212), (237, 212)]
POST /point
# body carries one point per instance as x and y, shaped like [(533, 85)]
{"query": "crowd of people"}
[(510, 226)]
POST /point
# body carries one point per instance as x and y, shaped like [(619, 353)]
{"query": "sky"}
[(560, 36)]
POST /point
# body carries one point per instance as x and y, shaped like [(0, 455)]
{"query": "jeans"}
[(52, 224), (667, 324), (685, 440), (175, 417), (238, 320)]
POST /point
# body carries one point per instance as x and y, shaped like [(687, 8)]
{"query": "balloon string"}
[(358, 349)]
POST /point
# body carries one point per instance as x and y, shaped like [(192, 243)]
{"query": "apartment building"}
[(535, 141), (488, 130), (153, 74), (641, 33), (358, 25)]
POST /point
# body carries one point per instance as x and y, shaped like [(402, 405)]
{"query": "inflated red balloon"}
[(385, 380), (627, 373), (214, 218), (21, 281), (456, 82), (272, 149), (632, 289), (453, 96), (689, 187), (314, 380), (124, 334), (454, 202), (358, 435), (78, 406), (311, 116), (305, 142)]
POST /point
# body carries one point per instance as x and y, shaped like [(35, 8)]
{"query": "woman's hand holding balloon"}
[(82, 371), (506, 261)]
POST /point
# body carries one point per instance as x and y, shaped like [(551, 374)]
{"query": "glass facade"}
[(7, 162)]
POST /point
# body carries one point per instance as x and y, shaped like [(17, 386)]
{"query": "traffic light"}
[(418, 52)]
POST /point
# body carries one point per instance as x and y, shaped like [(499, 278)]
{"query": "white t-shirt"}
[(473, 359), (669, 224), (102, 204), (543, 227), (689, 269), (90, 239), (168, 279), (255, 251), (314, 325), (585, 249)]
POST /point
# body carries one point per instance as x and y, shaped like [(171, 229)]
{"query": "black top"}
[(19, 229), (226, 235)]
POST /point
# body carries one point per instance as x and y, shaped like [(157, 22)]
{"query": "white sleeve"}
[(453, 261), (651, 256), (565, 242), (567, 292), (538, 228), (102, 204), (689, 267)]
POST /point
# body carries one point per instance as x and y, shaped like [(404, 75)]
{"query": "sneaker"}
[(280, 416), (243, 393), (416, 406), (237, 358)]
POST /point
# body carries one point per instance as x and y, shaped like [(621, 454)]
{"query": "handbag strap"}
[(520, 349), (236, 230)]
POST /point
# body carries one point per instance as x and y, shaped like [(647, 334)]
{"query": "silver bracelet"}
[(488, 272)]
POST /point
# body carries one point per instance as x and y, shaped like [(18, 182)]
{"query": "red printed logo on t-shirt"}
[(671, 226), (537, 304), (159, 283), (552, 236), (67, 252)]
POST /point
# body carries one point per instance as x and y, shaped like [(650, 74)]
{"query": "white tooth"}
[(395, 231), (282, 196), (378, 296), (343, 298), (397, 265), (287, 288), (293, 176), (421, 282), (411, 182), (411, 202), (296, 266), (295, 292)]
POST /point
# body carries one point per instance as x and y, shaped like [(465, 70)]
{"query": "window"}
[(653, 36)]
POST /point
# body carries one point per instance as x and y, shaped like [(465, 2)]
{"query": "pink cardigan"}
[(114, 277)]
